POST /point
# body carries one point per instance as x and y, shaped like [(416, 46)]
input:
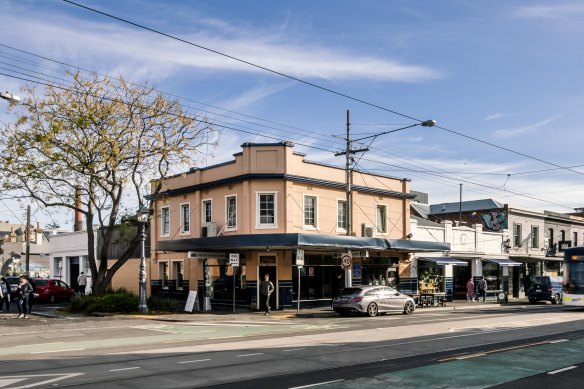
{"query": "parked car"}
[(13, 280), (52, 290), (372, 300), (545, 288)]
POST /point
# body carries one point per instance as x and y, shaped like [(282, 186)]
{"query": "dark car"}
[(13, 280), (545, 288), (52, 290)]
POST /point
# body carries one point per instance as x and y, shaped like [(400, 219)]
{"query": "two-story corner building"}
[(266, 206)]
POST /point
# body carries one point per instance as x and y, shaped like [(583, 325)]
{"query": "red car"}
[(52, 290)]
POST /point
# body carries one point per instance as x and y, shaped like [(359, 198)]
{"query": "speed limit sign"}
[(346, 261)]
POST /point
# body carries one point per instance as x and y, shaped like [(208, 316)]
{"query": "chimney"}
[(39, 234), (78, 226)]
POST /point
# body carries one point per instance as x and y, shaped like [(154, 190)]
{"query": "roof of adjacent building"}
[(465, 206)]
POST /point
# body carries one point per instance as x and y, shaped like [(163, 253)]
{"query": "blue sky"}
[(504, 72)]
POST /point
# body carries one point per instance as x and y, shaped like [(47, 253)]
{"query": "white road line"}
[(196, 360), (313, 385), (558, 341), (226, 337), (562, 370), (248, 355), (38, 344), (294, 349), (126, 368), (57, 351)]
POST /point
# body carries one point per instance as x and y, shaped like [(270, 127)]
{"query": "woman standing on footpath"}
[(470, 291), (23, 292)]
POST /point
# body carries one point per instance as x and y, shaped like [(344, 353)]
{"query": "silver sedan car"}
[(372, 300)]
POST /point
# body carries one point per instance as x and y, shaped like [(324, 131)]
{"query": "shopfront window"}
[(430, 277), (225, 278), (493, 274), (163, 272)]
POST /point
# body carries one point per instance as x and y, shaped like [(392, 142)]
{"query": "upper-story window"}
[(310, 211), (165, 221), (266, 210), (231, 211), (575, 239), (341, 215), (563, 234), (517, 235), (381, 218), (185, 218), (534, 237), (551, 237), (207, 207)]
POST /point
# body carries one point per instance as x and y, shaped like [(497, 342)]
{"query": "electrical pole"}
[(27, 236)]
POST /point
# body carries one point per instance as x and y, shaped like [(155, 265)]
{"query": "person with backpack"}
[(23, 292), (482, 286)]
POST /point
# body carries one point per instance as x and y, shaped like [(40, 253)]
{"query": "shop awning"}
[(445, 261), (417, 245), (503, 261)]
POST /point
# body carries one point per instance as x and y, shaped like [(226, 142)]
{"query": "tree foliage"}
[(111, 141)]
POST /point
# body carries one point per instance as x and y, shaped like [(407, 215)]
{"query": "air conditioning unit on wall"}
[(209, 230), (367, 230)]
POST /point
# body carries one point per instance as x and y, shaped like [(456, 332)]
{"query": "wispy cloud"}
[(555, 11), (83, 42), (495, 116), (252, 95), (507, 133)]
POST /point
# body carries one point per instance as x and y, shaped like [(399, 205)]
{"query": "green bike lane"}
[(478, 370)]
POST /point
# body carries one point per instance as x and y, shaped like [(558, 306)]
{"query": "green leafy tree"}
[(110, 141)]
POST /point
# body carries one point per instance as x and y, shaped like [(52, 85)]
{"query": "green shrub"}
[(116, 302)]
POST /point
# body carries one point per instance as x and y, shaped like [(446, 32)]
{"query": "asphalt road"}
[(480, 347)]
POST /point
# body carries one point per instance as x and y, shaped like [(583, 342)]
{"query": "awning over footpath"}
[(445, 261), (315, 241), (503, 261)]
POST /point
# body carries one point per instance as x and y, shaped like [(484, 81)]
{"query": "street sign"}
[(234, 259), (300, 257), (346, 261)]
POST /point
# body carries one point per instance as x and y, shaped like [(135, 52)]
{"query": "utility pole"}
[(27, 232), (349, 181)]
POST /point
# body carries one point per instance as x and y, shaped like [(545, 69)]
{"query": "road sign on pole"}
[(299, 257), (234, 260), (346, 261)]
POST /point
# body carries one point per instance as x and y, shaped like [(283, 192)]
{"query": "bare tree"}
[(112, 140)]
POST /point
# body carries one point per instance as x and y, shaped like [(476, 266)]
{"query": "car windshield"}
[(351, 291), (538, 281)]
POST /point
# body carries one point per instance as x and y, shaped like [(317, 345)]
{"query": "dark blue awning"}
[(445, 261), (417, 245), (503, 261)]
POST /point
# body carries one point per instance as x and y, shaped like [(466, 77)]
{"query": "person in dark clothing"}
[(4, 294), (31, 297), (266, 289), (23, 292), (482, 287)]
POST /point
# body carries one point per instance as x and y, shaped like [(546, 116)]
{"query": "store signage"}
[(205, 255), (346, 261)]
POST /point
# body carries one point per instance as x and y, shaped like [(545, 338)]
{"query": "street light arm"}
[(427, 123), (10, 97)]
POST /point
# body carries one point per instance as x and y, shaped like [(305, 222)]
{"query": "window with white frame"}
[(231, 211), (266, 209), (207, 211), (381, 218), (163, 273), (310, 211), (165, 221), (341, 214), (185, 218), (178, 273), (517, 235), (534, 237)]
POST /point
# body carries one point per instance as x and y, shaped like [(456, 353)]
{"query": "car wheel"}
[(408, 308), (51, 299), (556, 299), (532, 301), (372, 310)]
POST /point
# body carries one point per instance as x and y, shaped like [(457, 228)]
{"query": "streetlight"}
[(10, 97), (142, 216)]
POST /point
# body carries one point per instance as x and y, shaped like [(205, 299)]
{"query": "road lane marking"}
[(562, 370), (318, 384), (226, 337), (248, 355), (294, 349), (38, 344), (471, 356), (196, 360), (57, 351), (558, 341), (126, 368)]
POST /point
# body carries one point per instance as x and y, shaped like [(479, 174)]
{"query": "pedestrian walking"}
[(482, 286), (82, 283), (266, 289), (4, 294), (23, 292), (470, 291), (32, 295)]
